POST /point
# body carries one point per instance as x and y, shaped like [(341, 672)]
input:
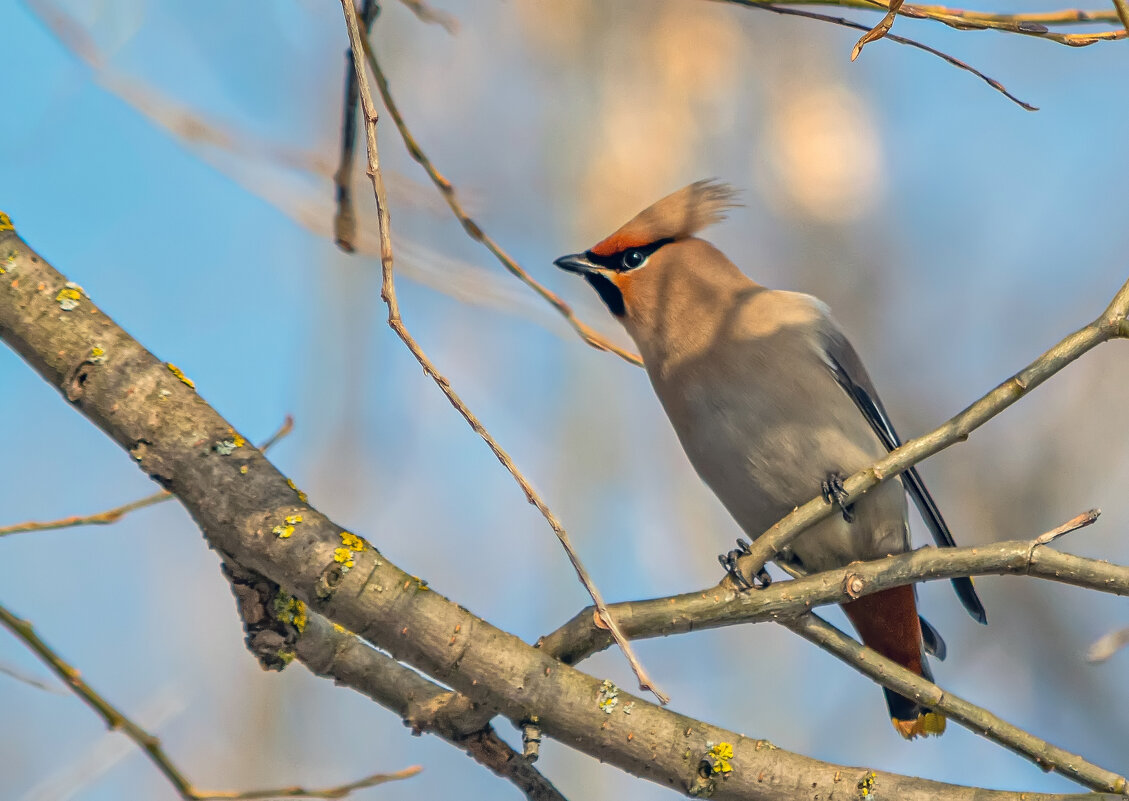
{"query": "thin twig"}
[(344, 219), (1111, 324), (475, 231), (878, 31), (425, 13), (118, 512), (846, 23), (1107, 645), (1073, 524), (892, 675), (115, 719), (789, 602), (388, 293), (719, 606), (1067, 16), (1026, 24), (22, 677), (1122, 8)]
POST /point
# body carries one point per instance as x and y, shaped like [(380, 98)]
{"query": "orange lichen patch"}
[(925, 725), (180, 375)]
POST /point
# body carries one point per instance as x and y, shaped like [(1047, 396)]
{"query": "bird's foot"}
[(834, 492), (729, 561)]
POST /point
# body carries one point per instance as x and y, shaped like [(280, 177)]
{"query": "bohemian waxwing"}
[(771, 404)]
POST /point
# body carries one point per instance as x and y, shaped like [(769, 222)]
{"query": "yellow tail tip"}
[(924, 725)]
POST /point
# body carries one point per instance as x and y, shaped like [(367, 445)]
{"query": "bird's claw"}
[(729, 561), (834, 492)]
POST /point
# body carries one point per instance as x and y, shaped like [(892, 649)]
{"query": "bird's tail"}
[(887, 622)]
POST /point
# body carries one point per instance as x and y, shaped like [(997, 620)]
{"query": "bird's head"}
[(624, 266)]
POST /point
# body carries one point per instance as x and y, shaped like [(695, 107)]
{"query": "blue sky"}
[(986, 233)]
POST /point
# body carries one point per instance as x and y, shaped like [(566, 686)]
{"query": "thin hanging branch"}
[(117, 720), (475, 231), (1034, 24), (345, 219), (115, 514), (890, 674), (846, 23), (388, 292)]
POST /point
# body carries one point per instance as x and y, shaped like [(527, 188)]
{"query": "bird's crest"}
[(676, 216)]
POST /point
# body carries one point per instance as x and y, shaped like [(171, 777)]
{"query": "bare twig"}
[(20, 676), (1073, 524), (846, 23), (1107, 645), (388, 293), (1068, 16), (151, 745), (476, 232), (878, 31), (788, 603), (723, 606), (426, 13), (890, 674), (118, 512), (344, 219), (1122, 8), (1111, 324), (1026, 24)]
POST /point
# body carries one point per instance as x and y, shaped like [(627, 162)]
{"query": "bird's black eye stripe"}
[(629, 258)]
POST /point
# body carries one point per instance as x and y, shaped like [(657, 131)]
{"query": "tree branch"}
[(1024, 24), (722, 605), (168, 429), (476, 232), (890, 674), (279, 628), (858, 26), (1111, 324), (335, 653), (117, 720), (788, 603), (388, 293), (109, 516), (345, 219)]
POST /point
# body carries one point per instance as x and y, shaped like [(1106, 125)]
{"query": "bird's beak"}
[(577, 263)]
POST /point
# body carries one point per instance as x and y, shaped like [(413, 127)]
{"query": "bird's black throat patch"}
[(609, 292)]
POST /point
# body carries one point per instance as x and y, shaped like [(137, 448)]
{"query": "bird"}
[(771, 405)]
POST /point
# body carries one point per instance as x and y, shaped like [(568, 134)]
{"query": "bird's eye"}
[(633, 259)]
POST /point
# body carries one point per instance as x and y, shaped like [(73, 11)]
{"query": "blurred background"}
[(175, 160)]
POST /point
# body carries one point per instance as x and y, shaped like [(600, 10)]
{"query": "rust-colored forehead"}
[(618, 242)]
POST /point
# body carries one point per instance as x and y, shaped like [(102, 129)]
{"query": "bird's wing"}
[(852, 377)]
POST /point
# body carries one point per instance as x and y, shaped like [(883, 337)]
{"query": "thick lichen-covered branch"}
[(171, 433), (788, 603)]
